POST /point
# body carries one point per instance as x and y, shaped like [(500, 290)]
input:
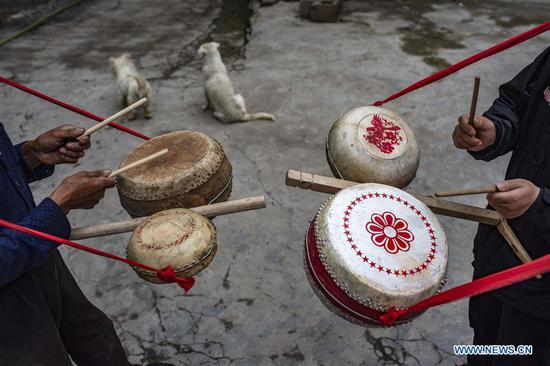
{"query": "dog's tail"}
[(259, 115)]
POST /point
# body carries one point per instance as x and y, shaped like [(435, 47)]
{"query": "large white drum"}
[(373, 247), (372, 145)]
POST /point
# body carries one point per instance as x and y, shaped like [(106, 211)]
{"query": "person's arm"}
[(39, 172), (508, 109), (38, 157), (21, 252)]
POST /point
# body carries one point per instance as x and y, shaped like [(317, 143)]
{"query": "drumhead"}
[(193, 158), (178, 237), (382, 246), (373, 144)]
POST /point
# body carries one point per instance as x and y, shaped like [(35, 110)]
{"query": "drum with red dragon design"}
[(372, 145), (373, 247)]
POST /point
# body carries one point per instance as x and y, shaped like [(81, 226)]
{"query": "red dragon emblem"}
[(383, 134)]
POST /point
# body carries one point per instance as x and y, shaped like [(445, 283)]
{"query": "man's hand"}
[(474, 138), (514, 198), (57, 146), (82, 190)]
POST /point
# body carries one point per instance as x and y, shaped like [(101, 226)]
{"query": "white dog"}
[(219, 92), (131, 84)]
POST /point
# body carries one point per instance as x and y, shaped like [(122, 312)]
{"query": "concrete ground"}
[(253, 305)]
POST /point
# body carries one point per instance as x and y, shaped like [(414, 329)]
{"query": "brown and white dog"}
[(131, 84), (219, 92)]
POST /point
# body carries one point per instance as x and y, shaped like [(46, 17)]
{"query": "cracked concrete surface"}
[(253, 305)]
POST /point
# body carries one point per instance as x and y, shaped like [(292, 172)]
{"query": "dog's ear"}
[(127, 55), (216, 44), (112, 60)]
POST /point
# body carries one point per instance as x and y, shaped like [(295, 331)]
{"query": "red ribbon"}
[(70, 107), (477, 287), (166, 275), (468, 61)]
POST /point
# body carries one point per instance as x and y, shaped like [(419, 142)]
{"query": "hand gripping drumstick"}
[(215, 209), (467, 191), (139, 162), (117, 115), (441, 207)]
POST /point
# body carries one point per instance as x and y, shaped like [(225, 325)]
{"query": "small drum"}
[(372, 247), (195, 172), (178, 237), (372, 145)]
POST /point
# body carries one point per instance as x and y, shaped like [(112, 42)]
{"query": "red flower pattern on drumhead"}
[(390, 232)]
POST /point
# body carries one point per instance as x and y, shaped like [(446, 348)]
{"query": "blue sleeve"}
[(38, 173), (20, 252), (509, 108)]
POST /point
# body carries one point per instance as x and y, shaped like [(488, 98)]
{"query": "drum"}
[(373, 247), (372, 145), (195, 172), (178, 237)]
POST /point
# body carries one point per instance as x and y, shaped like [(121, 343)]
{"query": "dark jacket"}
[(20, 252), (521, 115)]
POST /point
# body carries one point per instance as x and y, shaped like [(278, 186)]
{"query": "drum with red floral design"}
[(372, 145), (373, 247)]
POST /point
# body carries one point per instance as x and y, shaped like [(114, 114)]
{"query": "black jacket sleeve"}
[(509, 108)]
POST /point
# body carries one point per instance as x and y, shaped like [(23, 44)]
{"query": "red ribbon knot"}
[(168, 275), (390, 316)]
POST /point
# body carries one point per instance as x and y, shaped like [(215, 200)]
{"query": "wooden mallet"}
[(139, 162), (115, 116)]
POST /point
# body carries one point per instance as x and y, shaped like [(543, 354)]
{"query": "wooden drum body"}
[(195, 172), (373, 247), (178, 237), (372, 145)]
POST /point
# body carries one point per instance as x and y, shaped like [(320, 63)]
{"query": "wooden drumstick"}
[(108, 120), (506, 231), (467, 191), (473, 106), (215, 209), (331, 185), (138, 163)]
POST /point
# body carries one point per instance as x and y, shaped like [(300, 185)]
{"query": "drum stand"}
[(319, 183)]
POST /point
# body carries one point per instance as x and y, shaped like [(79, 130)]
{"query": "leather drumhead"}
[(382, 246), (178, 237), (193, 158)]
